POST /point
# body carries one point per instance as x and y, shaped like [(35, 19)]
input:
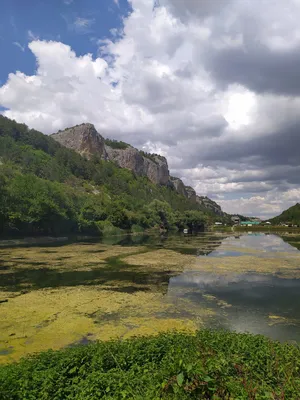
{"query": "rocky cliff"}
[(155, 168), (191, 194), (210, 205), (82, 138), (87, 141), (178, 185)]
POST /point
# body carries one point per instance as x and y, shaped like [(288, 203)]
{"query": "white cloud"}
[(157, 86), (22, 48), (83, 22), (78, 24), (260, 206), (32, 36)]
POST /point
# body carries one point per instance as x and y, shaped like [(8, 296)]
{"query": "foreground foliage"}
[(209, 365)]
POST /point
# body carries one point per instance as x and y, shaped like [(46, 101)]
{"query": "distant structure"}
[(218, 223), (250, 223), (236, 219)]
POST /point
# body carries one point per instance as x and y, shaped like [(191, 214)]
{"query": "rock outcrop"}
[(82, 138), (191, 194), (85, 140), (178, 185), (209, 205), (155, 168)]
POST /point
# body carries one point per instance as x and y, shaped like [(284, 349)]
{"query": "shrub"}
[(207, 365)]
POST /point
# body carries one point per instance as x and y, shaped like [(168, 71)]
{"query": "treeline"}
[(49, 189)]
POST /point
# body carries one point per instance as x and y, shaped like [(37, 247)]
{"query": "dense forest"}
[(46, 188)]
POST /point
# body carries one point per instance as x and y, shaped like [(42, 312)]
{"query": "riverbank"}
[(271, 229), (207, 365)]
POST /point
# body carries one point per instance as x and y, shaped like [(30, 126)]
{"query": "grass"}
[(207, 365)]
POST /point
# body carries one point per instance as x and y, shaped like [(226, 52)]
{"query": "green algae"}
[(56, 318)]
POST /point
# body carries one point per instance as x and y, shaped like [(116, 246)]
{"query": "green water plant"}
[(207, 365)]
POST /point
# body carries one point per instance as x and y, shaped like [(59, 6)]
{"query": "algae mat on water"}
[(56, 318), (60, 295)]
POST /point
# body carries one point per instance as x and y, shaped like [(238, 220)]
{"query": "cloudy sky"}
[(214, 85)]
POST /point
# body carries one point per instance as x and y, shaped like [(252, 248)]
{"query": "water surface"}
[(57, 293)]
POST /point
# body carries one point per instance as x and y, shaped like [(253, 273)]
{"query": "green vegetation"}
[(265, 228), (115, 144), (46, 188), (291, 216), (208, 365), (151, 156)]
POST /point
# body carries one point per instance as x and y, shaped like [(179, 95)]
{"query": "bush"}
[(107, 228), (137, 229), (115, 144), (208, 365)]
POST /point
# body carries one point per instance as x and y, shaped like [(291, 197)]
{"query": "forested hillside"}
[(46, 188), (289, 216)]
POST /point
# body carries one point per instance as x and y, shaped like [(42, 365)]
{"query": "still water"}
[(56, 293), (251, 301)]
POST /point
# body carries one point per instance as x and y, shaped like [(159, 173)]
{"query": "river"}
[(57, 293)]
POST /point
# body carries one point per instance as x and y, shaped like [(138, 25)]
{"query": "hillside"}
[(46, 188), (289, 216), (85, 140)]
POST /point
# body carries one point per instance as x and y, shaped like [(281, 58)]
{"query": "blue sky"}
[(79, 23)]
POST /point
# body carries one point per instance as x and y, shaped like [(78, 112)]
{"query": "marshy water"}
[(55, 293)]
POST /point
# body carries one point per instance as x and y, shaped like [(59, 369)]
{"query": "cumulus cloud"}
[(213, 85)]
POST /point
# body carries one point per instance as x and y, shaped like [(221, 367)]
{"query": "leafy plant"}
[(207, 365)]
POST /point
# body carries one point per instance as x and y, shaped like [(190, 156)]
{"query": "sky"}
[(213, 85)]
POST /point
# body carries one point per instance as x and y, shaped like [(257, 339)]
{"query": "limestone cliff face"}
[(209, 204), (178, 185), (191, 194), (82, 138), (155, 168), (87, 141)]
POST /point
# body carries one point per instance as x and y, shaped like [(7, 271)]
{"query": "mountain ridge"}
[(87, 141)]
